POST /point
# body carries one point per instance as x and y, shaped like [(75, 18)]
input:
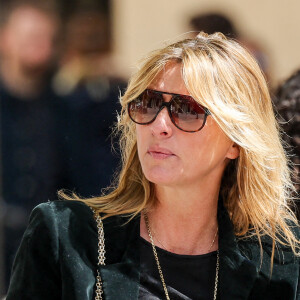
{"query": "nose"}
[(162, 126)]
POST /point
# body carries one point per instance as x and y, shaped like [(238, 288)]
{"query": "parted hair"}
[(221, 75)]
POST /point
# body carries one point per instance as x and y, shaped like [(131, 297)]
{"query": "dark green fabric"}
[(58, 256)]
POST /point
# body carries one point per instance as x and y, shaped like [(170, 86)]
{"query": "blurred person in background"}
[(287, 102), (30, 148), (218, 22), (89, 86)]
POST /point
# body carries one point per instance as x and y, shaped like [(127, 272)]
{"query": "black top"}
[(186, 276)]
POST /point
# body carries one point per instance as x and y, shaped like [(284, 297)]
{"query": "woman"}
[(201, 207)]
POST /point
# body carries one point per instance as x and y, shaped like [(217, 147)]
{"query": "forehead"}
[(29, 18), (169, 79)]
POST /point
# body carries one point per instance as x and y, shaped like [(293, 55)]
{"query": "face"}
[(29, 38), (171, 157)]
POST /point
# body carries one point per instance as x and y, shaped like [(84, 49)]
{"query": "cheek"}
[(139, 135), (209, 148), (141, 140)]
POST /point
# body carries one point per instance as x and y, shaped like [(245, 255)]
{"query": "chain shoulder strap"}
[(101, 254)]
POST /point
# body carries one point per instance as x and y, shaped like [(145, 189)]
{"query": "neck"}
[(184, 221), (18, 82)]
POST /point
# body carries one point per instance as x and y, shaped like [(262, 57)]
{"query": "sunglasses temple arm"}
[(207, 111)]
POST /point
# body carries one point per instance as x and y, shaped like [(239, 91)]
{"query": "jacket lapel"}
[(120, 275), (237, 273)]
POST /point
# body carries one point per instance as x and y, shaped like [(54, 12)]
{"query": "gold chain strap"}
[(101, 254), (156, 258), (217, 275)]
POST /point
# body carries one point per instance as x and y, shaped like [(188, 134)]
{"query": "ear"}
[(233, 151)]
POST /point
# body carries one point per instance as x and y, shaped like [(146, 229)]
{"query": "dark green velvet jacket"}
[(57, 259)]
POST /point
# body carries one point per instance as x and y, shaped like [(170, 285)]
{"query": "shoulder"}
[(61, 239), (60, 227), (273, 264), (71, 210), (50, 224), (50, 217), (60, 206), (277, 273), (254, 247), (52, 210), (69, 214)]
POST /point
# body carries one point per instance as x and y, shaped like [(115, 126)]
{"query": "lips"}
[(160, 153)]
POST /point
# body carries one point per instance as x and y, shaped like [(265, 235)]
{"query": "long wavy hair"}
[(221, 75)]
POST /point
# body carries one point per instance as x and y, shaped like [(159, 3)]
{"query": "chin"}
[(161, 177)]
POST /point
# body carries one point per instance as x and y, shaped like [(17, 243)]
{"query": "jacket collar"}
[(121, 273), (237, 273)]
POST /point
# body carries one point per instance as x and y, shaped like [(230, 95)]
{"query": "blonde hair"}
[(222, 76)]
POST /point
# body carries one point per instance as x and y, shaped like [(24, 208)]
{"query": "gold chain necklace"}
[(159, 267)]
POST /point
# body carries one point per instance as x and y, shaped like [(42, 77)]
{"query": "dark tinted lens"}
[(187, 113), (144, 109)]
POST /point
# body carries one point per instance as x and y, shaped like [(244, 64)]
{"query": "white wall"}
[(144, 25)]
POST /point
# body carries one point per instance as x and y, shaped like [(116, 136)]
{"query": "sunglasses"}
[(185, 113)]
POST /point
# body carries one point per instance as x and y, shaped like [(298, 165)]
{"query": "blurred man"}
[(218, 22), (27, 48), (90, 89), (30, 148)]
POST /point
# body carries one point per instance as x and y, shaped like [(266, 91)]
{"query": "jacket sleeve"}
[(35, 273)]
